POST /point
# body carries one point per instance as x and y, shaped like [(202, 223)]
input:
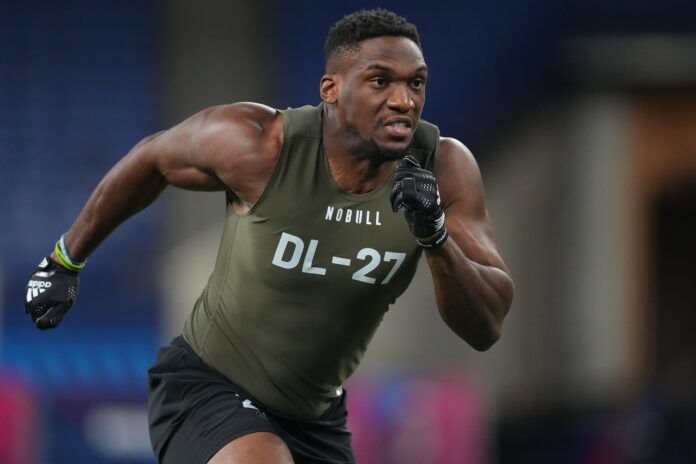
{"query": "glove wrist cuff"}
[(434, 241)]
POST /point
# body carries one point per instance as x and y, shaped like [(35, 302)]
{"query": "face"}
[(378, 93)]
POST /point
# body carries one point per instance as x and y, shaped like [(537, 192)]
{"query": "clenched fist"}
[(51, 292), (415, 189)]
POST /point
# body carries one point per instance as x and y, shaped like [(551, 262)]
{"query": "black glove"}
[(51, 292), (416, 190)]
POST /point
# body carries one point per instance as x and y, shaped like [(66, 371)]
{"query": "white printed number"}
[(374, 257), (290, 248)]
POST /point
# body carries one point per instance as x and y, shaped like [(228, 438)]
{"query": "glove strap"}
[(434, 241), (62, 253)]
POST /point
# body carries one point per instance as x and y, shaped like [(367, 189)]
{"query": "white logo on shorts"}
[(248, 404)]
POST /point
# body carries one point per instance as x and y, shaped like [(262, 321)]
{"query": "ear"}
[(328, 88)]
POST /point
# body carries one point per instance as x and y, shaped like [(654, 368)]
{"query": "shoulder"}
[(451, 149), (455, 159), (246, 124), (239, 139), (237, 144), (457, 172), (304, 121)]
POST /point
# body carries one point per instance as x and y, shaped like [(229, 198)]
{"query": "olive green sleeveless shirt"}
[(304, 278)]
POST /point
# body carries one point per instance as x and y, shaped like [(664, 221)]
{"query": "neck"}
[(353, 171)]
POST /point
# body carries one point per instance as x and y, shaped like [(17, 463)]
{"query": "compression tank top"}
[(304, 278)]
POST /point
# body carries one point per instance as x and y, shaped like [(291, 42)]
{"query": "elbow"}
[(486, 338), (491, 332), (481, 325), (481, 335)]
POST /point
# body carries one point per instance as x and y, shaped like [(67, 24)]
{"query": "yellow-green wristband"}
[(64, 259)]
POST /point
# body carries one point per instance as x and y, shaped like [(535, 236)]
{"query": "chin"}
[(393, 151), (388, 150), (391, 154)]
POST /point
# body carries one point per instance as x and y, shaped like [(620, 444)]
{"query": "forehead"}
[(394, 51)]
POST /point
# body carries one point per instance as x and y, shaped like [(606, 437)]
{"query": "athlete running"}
[(329, 209)]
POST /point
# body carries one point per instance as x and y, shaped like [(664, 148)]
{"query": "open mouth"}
[(399, 128)]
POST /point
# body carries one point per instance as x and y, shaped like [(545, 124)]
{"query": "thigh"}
[(220, 423), (323, 441), (255, 448), (194, 412)]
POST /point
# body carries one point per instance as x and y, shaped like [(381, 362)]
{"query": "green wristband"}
[(63, 257)]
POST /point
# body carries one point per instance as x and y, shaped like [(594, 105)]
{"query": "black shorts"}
[(194, 411)]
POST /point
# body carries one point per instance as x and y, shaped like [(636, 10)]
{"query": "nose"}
[(400, 99)]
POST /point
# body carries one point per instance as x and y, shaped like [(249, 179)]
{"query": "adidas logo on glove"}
[(35, 288)]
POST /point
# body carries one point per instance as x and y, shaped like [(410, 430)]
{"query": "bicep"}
[(205, 151), (463, 197)]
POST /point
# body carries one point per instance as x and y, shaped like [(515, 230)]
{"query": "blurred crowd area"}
[(582, 116)]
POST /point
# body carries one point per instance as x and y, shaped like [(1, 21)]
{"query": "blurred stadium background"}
[(582, 115)]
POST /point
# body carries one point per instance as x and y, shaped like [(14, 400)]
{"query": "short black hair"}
[(346, 35)]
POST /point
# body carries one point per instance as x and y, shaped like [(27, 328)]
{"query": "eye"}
[(418, 83), (379, 82)]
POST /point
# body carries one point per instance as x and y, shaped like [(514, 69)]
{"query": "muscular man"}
[(329, 209)]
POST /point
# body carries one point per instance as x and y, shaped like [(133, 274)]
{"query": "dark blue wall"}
[(485, 58), (77, 90)]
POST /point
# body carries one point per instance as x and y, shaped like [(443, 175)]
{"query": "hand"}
[(416, 190), (51, 292)]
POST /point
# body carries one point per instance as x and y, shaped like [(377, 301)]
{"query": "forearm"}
[(472, 298), (127, 188), (206, 152)]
